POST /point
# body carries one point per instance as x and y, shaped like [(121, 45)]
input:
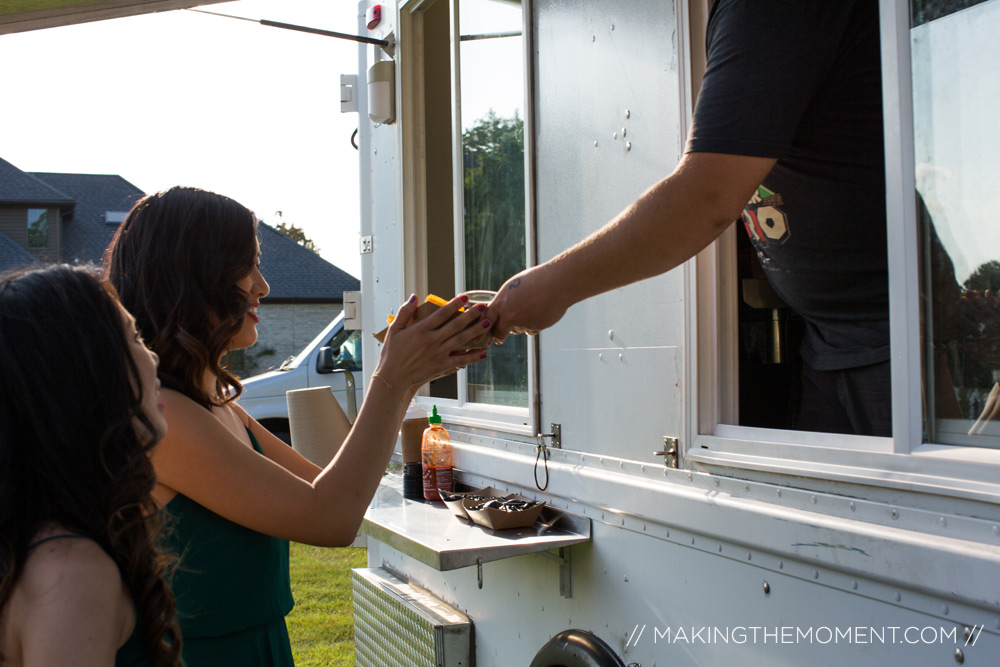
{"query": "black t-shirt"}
[(800, 81)]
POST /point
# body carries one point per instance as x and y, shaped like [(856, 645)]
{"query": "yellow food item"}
[(431, 298)]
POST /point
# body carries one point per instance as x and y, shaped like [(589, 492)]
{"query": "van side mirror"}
[(324, 362)]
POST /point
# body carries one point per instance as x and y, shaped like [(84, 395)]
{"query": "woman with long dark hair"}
[(185, 262), (81, 582)]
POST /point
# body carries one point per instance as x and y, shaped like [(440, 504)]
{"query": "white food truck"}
[(685, 525)]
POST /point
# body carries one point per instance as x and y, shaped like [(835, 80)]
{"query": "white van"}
[(331, 359)]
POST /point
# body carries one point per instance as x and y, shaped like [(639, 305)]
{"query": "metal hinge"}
[(671, 447)]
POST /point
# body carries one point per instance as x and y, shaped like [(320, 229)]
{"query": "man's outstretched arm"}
[(667, 225)]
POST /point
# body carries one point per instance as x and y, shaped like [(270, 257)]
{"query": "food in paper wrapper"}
[(498, 513), (431, 304), (492, 508), (454, 500)]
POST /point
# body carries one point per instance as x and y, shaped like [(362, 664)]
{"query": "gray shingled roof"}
[(17, 187), (13, 256), (294, 273), (86, 234), (297, 274)]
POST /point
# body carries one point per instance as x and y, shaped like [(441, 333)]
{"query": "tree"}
[(493, 158), (295, 233), (494, 201), (986, 276)]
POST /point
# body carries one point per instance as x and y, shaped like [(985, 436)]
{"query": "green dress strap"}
[(63, 536)]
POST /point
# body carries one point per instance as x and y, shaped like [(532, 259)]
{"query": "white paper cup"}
[(317, 422)]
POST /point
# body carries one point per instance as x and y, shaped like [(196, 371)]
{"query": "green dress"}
[(133, 653), (231, 585)]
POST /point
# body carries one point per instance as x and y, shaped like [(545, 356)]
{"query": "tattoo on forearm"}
[(514, 284)]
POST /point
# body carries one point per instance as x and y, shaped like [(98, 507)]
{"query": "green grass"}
[(321, 626)]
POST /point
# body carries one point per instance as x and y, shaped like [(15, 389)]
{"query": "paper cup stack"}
[(317, 422)]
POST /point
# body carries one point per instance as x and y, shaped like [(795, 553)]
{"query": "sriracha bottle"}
[(436, 458)]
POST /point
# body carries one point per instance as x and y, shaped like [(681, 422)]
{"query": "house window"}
[(954, 56), (38, 228)]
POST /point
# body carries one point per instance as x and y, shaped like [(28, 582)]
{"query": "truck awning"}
[(21, 15)]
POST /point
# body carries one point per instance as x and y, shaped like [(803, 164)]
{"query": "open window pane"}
[(492, 90), (956, 92)]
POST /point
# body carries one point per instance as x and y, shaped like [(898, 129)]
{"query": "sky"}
[(184, 98), (955, 100)]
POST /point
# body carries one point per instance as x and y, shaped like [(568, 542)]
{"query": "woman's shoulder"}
[(69, 584), (178, 399), (61, 564)]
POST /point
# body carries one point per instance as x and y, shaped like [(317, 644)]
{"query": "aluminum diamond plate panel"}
[(396, 623)]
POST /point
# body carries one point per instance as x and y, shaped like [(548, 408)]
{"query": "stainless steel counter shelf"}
[(431, 534)]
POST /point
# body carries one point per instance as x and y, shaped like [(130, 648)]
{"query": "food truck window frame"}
[(414, 186), (901, 462)]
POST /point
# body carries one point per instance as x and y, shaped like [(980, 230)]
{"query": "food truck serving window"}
[(939, 59), (465, 186), (492, 179)]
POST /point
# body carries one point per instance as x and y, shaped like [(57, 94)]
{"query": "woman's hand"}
[(415, 353), (283, 495)]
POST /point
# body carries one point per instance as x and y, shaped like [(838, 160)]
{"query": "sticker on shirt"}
[(764, 219)]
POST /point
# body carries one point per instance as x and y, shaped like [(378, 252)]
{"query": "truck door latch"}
[(543, 452), (671, 447)]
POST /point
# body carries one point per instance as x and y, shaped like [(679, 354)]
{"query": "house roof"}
[(87, 233), (19, 187), (295, 274), (12, 255), (298, 274)]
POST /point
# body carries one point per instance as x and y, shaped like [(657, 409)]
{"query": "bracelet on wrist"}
[(389, 387)]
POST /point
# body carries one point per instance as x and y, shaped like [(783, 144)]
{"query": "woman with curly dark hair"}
[(185, 262), (81, 582)]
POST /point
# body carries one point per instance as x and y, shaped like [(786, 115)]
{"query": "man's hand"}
[(524, 304)]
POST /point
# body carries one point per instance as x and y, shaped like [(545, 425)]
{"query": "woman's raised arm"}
[(208, 463)]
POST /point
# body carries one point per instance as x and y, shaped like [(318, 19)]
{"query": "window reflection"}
[(346, 347), (492, 94), (38, 228), (955, 57)]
